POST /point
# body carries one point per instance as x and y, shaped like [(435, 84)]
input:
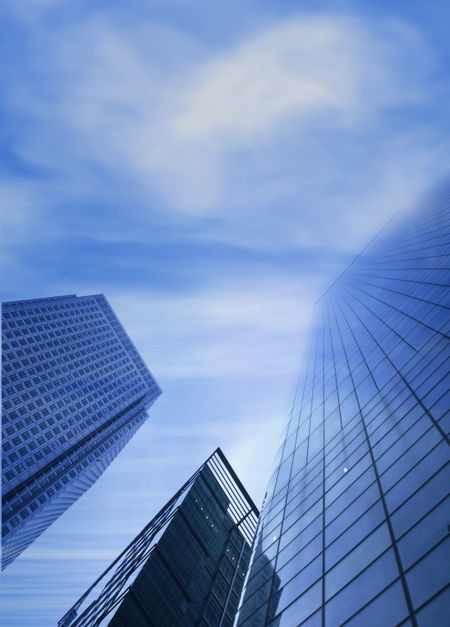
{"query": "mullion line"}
[(305, 381), (381, 320), (410, 240), (421, 233), (407, 269), (378, 480), (305, 384), (362, 453), (402, 535), (430, 550), (312, 395), (362, 269), (403, 313), (307, 351), (352, 428), (393, 330), (360, 254), (361, 609), (380, 342), (307, 452), (403, 257), (388, 289), (432, 598), (297, 428), (412, 391), (410, 243), (334, 368), (387, 406), (395, 272), (285, 497), (372, 261), (323, 472), (392, 278), (431, 374), (275, 561), (350, 550)]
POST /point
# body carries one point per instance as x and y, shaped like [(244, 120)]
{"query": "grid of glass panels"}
[(354, 530), (74, 391)]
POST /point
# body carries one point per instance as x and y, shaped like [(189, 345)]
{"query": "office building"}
[(187, 566), (75, 390), (354, 528)]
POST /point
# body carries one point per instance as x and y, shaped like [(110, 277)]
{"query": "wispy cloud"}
[(331, 71), (252, 328), (243, 140)]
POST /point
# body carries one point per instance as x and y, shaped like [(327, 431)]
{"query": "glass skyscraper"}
[(355, 525), (187, 566), (75, 390)]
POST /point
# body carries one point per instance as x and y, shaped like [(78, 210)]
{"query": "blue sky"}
[(210, 167)]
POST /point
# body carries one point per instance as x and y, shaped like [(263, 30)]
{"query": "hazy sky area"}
[(210, 166)]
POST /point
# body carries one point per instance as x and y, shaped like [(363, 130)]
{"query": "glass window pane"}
[(436, 612), (301, 609), (301, 559), (362, 589), (354, 534), (389, 608), (430, 574), (427, 533), (358, 559), (297, 585)]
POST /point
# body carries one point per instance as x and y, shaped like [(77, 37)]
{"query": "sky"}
[(210, 167)]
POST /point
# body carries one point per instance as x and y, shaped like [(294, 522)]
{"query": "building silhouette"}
[(187, 566), (354, 530), (75, 390)]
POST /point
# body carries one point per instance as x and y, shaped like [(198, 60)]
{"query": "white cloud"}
[(282, 90), (300, 68), (284, 138)]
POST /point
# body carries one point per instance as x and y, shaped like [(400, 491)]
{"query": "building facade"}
[(354, 528), (75, 390), (187, 566)]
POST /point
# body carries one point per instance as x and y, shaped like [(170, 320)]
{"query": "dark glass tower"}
[(187, 566), (75, 390), (354, 530)]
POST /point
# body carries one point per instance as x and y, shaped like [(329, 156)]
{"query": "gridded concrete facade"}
[(74, 392), (354, 530), (187, 566)]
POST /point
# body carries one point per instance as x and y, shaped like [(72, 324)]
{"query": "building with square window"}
[(75, 390)]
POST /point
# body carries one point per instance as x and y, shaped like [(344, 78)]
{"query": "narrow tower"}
[(187, 566)]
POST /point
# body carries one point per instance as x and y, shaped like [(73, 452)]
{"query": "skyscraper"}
[(75, 390), (187, 566), (354, 529)]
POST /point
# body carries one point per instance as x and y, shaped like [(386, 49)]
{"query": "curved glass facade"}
[(354, 529)]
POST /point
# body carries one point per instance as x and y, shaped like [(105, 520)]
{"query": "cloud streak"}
[(241, 141), (300, 68), (251, 328)]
